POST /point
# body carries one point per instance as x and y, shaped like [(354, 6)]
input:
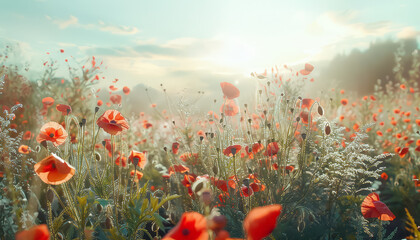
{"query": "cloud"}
[(185, 48), (408, 33), (100, 25), (62, 24)]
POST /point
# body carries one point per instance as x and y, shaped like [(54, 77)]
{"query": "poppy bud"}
[(327, 130), (249, 133), (303, 136), (136, 161), (297, 119), (269, 125), (201, 138), (50, 195), (212, 135), (104, 143), (300, 98), (80, 124), (99, 207), (246, 105), (291, 110), (215, 170), (44, 144), (249, 120), (97, 156), (198, 187), (84, 121), (173, 122), (108, 223), (165, 149), (265, 112), (96, 109), (320, 110)]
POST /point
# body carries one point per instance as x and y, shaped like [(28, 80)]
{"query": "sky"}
[(195, 43)]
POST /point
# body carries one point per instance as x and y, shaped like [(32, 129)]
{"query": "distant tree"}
[(360, 70)]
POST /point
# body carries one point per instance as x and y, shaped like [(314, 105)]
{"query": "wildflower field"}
[(279, 166), (209, 120)]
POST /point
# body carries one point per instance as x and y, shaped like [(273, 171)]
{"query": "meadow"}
[(283, 165)]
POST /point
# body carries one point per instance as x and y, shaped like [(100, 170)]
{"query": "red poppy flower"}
[(175, 147), (52, 132), (27, 135), (139, 157), (64, 109), (308, 69), (115, 99), (139, 175), (229, 108), (112, 122), (272, 149), (344, 101), (54, 170), (403, 152), (373, 208), (99, 103), (24, 149), (126, 90), (192, 226), (232, 150), (190, 158), (261, 221), (48, 101), (229, 90), (177, 168), (257, 187), (246, 191), (38, 232), (307, 103), (304, 116), (121, 160), (384, 176), (188, 180)]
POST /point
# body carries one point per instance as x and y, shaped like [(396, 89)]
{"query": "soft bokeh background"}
[(191, 46)]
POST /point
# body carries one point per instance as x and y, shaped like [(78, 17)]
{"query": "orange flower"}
[(403, 152), (99, 103), (115, 99), (139, 175), (190, 158), (229, 90), (229, 108), (139, 158), (121, 160), (192, 226), (177, 168), (232, 150), (52, 132), (384, 176), (344, 101), (373, 208), (272, 149), (112, 122), (308, 69), (27, 135), (54, 170), (38, 232), (48, 101), (24, 149), (64, 109), (175, 147), (307, 103), (126, 90), (261, 221)]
